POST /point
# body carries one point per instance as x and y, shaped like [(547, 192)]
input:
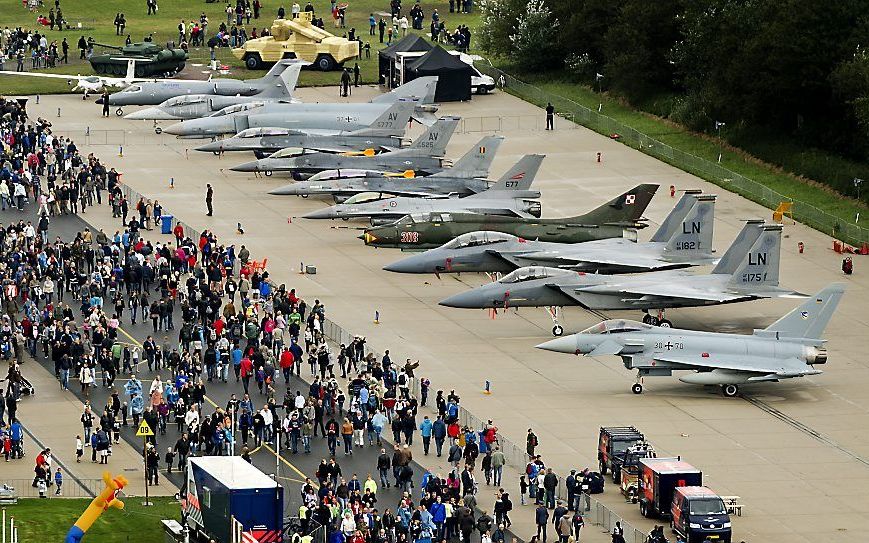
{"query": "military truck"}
[(298, 38), (613, 441), (151, 59)]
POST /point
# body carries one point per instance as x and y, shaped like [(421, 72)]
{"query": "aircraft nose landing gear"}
[(637, 388), (656, 320), (554, 313), (730, 391)]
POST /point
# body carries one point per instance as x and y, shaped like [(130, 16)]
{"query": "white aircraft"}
[(93, 83)]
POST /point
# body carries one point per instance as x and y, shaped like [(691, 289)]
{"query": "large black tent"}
[(386, 58), (454, 76)]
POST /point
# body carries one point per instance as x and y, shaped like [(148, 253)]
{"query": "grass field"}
[(49, 520), (98, 22), (787, 182)]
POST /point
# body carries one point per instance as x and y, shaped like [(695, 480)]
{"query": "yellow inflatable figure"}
[(107, 498)]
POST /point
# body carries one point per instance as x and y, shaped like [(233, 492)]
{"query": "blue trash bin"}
[(166, 224)]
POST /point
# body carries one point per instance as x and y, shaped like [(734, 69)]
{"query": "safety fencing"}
[(711, 171), (116, 138), (72, 488)]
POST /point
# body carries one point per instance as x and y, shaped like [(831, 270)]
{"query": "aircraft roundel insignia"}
[(630, 198), (804, 314), (393, 203)]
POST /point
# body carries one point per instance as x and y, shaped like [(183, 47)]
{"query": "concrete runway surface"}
[(796, 452)]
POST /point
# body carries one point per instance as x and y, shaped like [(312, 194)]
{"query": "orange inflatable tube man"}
[(107, 498)]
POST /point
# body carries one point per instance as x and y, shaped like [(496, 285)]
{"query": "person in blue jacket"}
[(425, 430), (439, 517)]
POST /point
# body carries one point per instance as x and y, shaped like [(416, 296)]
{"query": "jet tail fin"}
[(760, 265), (695, 235), (741, 244), (434, 140), (422, 88), (276, 70), (477, 161), (521, 175), (625, 208), (670, 225), (810, 319), (393, 121), (282, 84)]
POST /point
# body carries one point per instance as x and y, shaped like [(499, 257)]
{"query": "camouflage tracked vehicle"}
[(151, 60)]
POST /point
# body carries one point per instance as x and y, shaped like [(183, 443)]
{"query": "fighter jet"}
[(747, 271), (509, 196), (618, 217), (194, 106), (324, 118), (425, 155), (92, 83), (466, 177), (684, 239), (788, 348), (150, 92)]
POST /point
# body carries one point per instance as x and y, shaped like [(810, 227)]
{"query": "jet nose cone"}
[(99, 100), (178, 129), (150, 113), (471, 299), (252, 166), (411, 264), (211, 147), (566, 344), (326, 213), (286, 190)]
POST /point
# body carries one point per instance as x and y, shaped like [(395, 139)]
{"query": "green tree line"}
[(789, 69)]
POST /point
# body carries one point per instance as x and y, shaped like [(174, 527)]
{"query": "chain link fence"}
[(832, 225)]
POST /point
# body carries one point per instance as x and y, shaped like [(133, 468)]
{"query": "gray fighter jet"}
[(325, 118), (509, 196), (194, 106), (683, 239), (466, 177), (151, 93), (425, 155), (788, 348), (386, 132), (748, 271)]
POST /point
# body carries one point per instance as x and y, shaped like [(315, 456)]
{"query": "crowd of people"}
[(21, 45)]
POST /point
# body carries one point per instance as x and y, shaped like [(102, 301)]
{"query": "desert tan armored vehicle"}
[(298, 38)]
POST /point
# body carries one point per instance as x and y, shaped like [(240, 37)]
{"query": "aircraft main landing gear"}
[(119, 112), (637, 388), (730, 391)]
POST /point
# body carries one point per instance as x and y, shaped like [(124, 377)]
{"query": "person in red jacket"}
[(246, 372), (287, 364)]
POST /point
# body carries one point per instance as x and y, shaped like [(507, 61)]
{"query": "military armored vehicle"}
[(298, 38), (151, 60)]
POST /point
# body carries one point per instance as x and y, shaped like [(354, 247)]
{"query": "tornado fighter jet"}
[(786, 349), (510, 196), (425, 154), (748, 271), (325, 118), (151, 93), (466, 177), (684, 239), (194, 106)]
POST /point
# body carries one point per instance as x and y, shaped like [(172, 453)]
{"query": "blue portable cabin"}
[(223, 488)]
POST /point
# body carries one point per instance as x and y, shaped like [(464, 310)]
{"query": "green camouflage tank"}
[(150, 60)]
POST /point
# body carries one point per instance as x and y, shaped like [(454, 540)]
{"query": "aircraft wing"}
[(50, 76), (665, 291), (636, 262), (762, 369)]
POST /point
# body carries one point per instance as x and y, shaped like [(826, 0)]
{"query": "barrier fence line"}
[(515, 454), (80, 488), (728, 179)]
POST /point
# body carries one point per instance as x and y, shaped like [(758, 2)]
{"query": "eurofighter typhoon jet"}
[(788, 348), (748, 271), (684, 239)]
